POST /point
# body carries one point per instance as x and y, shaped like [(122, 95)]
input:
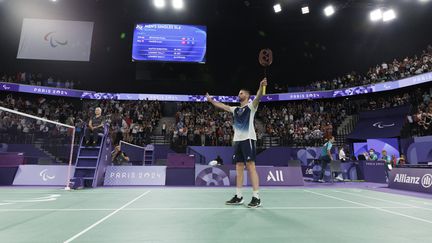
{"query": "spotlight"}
[(329, 11), (277, 8), (389, 15), (159, 3), (376, 15), (305, 10), (177, 4)]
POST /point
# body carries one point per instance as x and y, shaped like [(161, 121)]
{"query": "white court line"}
[(180, 209), (384, 200), (425, 203), (105, 218), (377, 208)]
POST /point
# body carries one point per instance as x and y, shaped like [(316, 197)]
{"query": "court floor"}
[(192, 215)]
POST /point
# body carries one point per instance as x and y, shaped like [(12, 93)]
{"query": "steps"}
[(91, 160), (345, 128), (169, 121)]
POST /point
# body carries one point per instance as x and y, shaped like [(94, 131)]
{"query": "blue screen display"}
[(169, 43)]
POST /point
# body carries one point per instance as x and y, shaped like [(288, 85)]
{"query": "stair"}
[(39, 144), (271, 142), (149, 154), (345, 128), (160, 140), (169, 121), (90, 161)]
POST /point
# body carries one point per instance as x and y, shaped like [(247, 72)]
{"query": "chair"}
[(335, 167)]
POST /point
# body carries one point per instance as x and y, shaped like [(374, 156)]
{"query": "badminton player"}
[(244, 141)]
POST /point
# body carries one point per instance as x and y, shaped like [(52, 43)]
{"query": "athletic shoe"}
[(255, 202), (339, 178), (321, 181), (235, 201)]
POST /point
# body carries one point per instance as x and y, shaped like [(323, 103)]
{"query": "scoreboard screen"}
[(169, 43)]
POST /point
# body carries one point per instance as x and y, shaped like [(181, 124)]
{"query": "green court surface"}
[(192, 215)]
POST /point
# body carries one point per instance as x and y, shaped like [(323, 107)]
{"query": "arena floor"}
[(192, 215)]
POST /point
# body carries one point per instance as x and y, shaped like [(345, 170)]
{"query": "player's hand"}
[(209, 98), (263, 82)]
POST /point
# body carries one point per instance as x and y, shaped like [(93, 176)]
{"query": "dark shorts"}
[(244, 151)]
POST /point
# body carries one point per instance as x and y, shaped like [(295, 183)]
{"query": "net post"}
[(67, 187)]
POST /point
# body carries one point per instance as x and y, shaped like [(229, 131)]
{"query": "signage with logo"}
[(135, 176), (206, 175), (55, 40), (307, 171), (280, 176), (411, 179), (42, 175), (225, 175)]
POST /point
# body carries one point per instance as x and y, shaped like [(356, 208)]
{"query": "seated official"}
[(95, 126), (372, 155)]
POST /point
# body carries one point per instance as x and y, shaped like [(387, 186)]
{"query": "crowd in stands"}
[(19, 129), (420, 122), (131, 121), (297, 123), (302, 123), (384, 72), (201, 124), (38, 79)]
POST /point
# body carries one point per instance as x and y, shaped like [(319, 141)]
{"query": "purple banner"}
[(306, 95), (225, 175), (9, 87), (11, 159), (411, 179), (135, 176), (280, 176), (49, 91), (373, 171), (359, 90), (349, 171)]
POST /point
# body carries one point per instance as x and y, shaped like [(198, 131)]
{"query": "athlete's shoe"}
[(235, 201), (255, 203)]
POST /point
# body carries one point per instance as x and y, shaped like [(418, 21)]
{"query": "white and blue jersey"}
[(244, 133), (244, 122)]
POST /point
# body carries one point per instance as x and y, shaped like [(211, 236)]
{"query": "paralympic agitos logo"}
[(53, 41)]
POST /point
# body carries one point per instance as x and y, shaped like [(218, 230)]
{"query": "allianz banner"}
[(135, 176), (45, 39), (411, 179), (42, 175)]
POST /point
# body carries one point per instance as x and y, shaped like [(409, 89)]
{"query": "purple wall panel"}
[(210, 153)]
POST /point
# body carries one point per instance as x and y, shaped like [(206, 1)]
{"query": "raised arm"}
[(259, 94), (218, 104)]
